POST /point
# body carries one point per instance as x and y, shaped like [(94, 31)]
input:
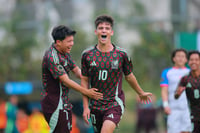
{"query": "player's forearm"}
[(176, 96), (85, 102), (77, 72), (84, 83), (72, 84), (164, 93), (178, 92), (134, 84), (77, 87)]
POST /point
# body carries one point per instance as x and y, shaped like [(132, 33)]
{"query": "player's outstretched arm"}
[(92, 93), (145, 97), (77, 72)]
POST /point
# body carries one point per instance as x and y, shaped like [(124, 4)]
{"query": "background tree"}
[(151, 57), (16, 52)]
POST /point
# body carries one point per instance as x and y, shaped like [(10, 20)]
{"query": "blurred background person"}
[(3, 117), (22, 121), (146, 116), (11, 112), (37, 122), (177, 111), (190, 84)]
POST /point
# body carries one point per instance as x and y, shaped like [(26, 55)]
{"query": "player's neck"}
[(179, 66), (105, 47), (58, 49)]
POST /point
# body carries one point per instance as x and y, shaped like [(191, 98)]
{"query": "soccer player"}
[(103, 66), (56, 65), (177, 111), (191, 84)]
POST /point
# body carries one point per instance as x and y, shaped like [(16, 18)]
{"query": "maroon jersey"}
[(105, 71), (192, 85), (54, 93)]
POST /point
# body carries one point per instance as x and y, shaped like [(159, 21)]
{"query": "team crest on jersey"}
[(115, 64), (60, 68)]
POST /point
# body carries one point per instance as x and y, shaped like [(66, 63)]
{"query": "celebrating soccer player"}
[(103, 66), (56, 65)]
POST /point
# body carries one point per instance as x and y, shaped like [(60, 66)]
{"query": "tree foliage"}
[(152, 55), (16, 50)]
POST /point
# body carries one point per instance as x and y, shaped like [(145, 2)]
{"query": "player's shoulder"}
[(120, 49), (187, 75), (88, 50), (50, 54)]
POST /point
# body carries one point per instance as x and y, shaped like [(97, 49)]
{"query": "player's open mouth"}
[(193, 65), (69, 48), (103, 36)]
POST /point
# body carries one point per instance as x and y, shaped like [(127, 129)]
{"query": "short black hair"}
[(61, 32), (193, 52), (177, 50), (104, 18)]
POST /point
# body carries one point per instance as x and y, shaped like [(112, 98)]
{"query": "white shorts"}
[(179, 121)]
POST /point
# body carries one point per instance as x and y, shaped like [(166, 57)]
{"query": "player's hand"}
[(167, 110), (94, 94), (86, 115), (179, 91), (145, 97)]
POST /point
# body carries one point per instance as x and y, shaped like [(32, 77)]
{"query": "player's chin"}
[(68, 51)]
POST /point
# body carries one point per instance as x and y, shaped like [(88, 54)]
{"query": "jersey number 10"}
[(103, 74)]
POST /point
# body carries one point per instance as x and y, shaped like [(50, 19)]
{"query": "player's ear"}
[(112, 32), (58, 42), (95, 31)]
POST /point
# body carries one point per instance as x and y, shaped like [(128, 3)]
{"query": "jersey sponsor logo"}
[(115, 64), (189, 85), (110, 116), (93, 63)]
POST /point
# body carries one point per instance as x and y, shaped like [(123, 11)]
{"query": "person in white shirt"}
[(177, 111)]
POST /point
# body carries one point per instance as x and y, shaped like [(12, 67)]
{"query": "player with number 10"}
[(103, 66)]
